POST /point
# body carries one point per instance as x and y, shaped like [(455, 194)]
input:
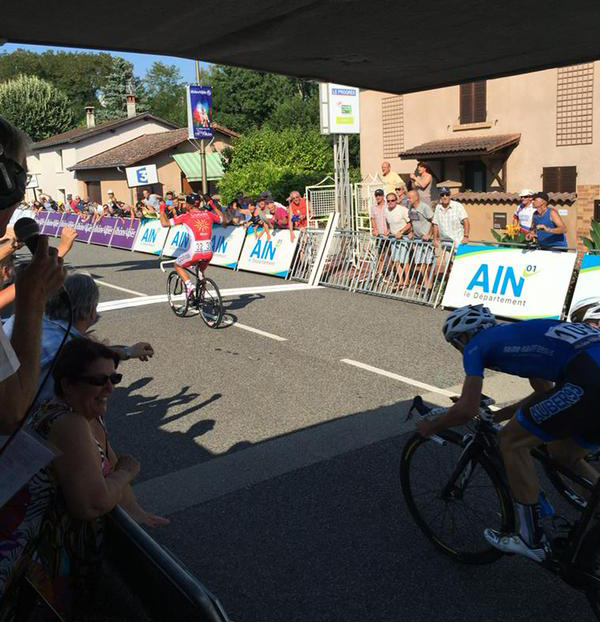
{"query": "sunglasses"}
[(100, 381)]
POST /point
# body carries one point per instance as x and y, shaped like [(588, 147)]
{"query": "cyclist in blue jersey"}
[(562, 361)]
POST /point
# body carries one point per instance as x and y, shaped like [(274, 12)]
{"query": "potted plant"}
[(512, 235), (593, 242)]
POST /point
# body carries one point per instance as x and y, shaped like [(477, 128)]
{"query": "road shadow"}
[(135, 423)]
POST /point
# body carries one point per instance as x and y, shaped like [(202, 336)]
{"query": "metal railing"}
[(306, 254), (405, 268)]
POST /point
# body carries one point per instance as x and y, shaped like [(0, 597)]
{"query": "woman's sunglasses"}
[(100, 381)]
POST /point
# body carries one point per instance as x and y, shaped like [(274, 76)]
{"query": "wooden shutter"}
[(560, 178), (473, 102)]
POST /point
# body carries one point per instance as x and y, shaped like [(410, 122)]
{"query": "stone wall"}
[(586, 195)]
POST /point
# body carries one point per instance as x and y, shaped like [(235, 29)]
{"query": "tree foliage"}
[(35, 106), (79, 75), (166, 93), (119, 82), (278, 161)]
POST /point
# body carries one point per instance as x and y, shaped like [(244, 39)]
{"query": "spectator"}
[(71, 496), (421, 214), (234, 213), (151, 201), (259, 221), (298, 212), (450, 221), (402, 196), (77, 204), (378, 223), (524, 212), (113, 203), (19, 358), (547, 225), (398, 223), (379, 229), (279, 216), (390, 179), (83, 293), (423, 183)]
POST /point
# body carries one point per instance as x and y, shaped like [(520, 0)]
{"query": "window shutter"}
[(466, 103), (560, 178), (479, 102)]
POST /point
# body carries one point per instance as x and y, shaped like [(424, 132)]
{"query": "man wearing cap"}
[(547, 225), (450, 221), (524, 212)]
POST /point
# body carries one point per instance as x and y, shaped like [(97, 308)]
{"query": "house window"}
[(60, 161), (473, 102), (392, 121), (574, 105), (475, 176), (62, 195), (560, 178)]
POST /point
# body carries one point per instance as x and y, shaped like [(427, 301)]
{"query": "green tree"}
[(166, 93), (118, 84), (35, 106), (279, 161), (295, 112), (79, 75), (243, 100)]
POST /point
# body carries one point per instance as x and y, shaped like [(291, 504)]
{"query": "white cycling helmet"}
[(579, 313), (470, 320)]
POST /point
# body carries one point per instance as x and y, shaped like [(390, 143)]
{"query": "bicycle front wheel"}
[(178, 301), (209, 302), (453, 500)]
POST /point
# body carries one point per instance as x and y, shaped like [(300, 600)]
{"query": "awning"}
[(464, 146), (191, 166), (343, 41)]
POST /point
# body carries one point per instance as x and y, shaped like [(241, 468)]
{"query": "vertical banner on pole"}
[(199, 112)]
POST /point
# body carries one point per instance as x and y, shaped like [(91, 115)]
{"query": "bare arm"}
[(35, 284), (464, 410), (164, 219), (560, 226), (87, 492), (539, 386)]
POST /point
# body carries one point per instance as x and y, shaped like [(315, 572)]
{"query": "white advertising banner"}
[(141, 175), (151, 237), (344, 115), (268, 256), (227, 244), (514, 283), (588, 281)]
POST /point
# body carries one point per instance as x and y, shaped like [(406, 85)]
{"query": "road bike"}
[(455, 486), (205, 298)]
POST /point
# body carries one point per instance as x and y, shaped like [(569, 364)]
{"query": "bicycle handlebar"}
[(164, 263)]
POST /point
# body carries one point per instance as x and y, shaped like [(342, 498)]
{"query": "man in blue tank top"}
[(547, 225), (562, 361)]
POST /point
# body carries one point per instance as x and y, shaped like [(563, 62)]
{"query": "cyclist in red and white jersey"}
[(198, 223)]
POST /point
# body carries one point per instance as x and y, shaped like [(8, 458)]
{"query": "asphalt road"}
[(277, 462)]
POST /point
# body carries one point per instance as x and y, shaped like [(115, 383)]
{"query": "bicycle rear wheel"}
[(175, 291), (453, 506), (210, 304)]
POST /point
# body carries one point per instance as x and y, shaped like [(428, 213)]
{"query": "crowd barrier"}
[(588, 279), (406, 269)]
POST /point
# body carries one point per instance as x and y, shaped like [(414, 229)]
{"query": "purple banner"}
[(40, 218), (124, 234), (84, 229), (103, 231), (52, 224), (68, 220)]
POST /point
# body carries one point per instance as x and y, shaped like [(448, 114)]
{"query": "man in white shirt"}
[(450, 221), (398, 222), (523, 215)]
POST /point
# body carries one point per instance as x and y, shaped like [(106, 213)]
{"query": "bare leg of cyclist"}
[(183, 275), (515, 445), (572, 456)]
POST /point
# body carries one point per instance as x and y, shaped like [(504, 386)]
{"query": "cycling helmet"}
[(585, 309), (467, 320)]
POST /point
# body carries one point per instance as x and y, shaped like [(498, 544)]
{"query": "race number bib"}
[(574, 333), (202, 246)]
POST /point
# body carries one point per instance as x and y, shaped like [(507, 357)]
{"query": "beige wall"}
[(524, 104), (46, 162)]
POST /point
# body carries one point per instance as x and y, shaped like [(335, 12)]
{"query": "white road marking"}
[(259, 332), (123, 289), (113, 305), (404, 379)]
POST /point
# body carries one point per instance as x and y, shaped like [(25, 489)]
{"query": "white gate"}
[(362, 197), (321, 198)]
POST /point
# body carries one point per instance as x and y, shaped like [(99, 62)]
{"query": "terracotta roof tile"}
[(140, 148), (472, 145), (80, 133), (510, 197)]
